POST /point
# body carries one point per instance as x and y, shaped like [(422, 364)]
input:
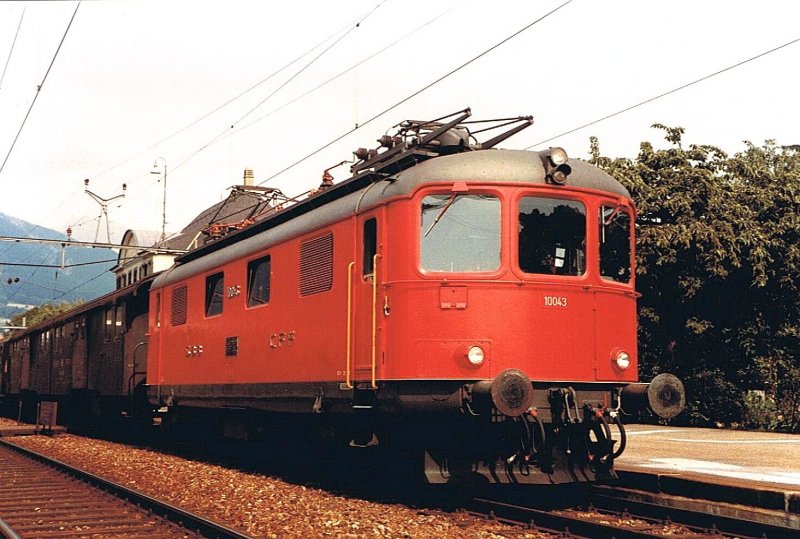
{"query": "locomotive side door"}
[(366, 275)]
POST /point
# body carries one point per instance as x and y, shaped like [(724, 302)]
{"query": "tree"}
[(39, 314), (719, 269)]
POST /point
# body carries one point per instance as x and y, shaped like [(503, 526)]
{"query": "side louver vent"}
[(178, 311), (316, 265)]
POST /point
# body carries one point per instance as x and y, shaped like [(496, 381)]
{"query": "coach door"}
[(365, 274), (5, 370)]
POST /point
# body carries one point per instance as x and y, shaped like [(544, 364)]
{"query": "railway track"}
[(619, 513), (44, 498)]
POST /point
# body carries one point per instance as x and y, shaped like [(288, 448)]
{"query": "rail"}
[(6, 531), (610, 512), (170, 512)]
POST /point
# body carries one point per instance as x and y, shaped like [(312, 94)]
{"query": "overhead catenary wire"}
[(349, 27), (13, 43), (35, 285), (309, 64), (638, 104), (627, 109), (23, 264), (421, 90), (233, 99), (182, 161), (411, 96), (279, 88), (349, 69), (39, 88), (37, 267), (664, 94), (74, 288)]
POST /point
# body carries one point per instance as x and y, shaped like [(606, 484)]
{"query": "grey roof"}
[(487, 166)]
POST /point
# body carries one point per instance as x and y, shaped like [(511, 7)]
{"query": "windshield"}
[(552, 236), (460, 233), (615, 244)]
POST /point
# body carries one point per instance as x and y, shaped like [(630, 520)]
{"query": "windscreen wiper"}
[(441, 213)]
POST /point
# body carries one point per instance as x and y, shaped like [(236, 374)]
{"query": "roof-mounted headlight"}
[(556, 169), (558, 156)]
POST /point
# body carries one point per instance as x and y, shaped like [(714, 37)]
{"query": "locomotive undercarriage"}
[(568, 437), (504, 430), (512, 430)]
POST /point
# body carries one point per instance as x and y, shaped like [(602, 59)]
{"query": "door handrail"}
[(374, 317), (348, 383)]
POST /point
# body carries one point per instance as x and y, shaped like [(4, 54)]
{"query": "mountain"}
[(85, 274)]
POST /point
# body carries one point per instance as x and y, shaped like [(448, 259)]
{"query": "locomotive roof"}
[(499, 166), (366, 190)]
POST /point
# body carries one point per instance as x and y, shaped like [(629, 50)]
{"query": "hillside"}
[(85, 276)]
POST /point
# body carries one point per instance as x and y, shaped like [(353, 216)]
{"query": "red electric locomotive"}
[(470, 305)]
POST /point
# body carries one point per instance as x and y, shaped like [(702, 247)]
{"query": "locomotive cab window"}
[(370, 245), (258, 281), (460, 233), (615, 244), (552, 236), (215, 285)]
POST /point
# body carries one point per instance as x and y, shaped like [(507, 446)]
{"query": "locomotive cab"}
[(521, 287)]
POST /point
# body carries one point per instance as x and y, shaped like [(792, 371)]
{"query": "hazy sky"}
[(131, 74)]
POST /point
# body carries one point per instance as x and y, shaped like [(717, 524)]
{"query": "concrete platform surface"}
[(7, 430), (765, 459)]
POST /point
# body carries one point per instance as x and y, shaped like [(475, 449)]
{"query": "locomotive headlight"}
[(558, 156), (621, 359), (556, 169), (560, 174), (475, 355)]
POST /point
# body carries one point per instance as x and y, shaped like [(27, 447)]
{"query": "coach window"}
[(615, 244), (119, 320), (258, 281), (460, 233), (215, 284), (109, 327), (552, 236), (56, 341), (370, 245)]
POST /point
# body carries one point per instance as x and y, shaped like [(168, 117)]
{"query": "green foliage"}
[(718, 254), (44, 312), (714, 400)]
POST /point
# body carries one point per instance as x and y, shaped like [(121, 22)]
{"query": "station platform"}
[(759, 469), (8, 429)]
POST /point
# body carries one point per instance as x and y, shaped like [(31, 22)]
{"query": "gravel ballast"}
[(261, 505)]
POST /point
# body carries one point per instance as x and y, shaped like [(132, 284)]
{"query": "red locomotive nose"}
[(512, 392)]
